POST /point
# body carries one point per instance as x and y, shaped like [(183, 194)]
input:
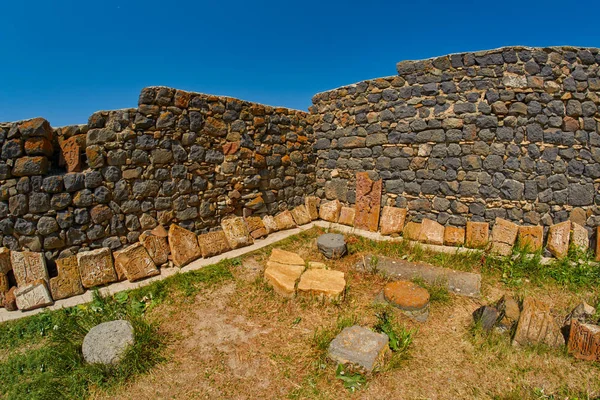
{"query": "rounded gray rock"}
[(332, 245), (106, 343)]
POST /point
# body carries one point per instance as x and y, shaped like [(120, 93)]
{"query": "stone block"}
[(509, 309), (312, 206), (558, 239), (283, 277), (38, 146), (368, 202), (347, 215), (332, 245), (359, 348), (579, 237), (213, 243), (156, 246), (36, 127), (431, 232), (29, 166), (330, 211), (270, 224), (4, 285), (477, 234), (28, 267), (392, 220), (409, 297), (71, 153), (284, 220), (10, 301), (256, 227), (96, 268), (135, 262), (236, 232), (68, 282), (584, 341), (322, 283), (33, 295), (300, 215), (454, 236), (537, 325), (531, 237), (412, 231), (486, 316), (184, 245), (5, 263), (107, 342), (285, 257), (504, 235)]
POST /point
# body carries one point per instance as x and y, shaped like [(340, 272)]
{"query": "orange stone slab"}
[(330, 211), (283, 277), (184, 245), (256, 227), (558, 239), (285, 257), (312, 206), (5, 264), (454, 236), (68, 282), (135, 262), (213, 243), (531, 237), (477, 234), (392, 220), (368, 202), (412, 231), (156, 246), (96, 267), (584, 341), (322, 283), (236, 232), (347, 216), (431, 232), (504, 236), (301, 215), (406, 295), (537, 325), (284, 220)]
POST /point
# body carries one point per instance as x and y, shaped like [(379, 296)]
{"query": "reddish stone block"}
[(531, 237), (368, 202), (477, 234), (347, 216), (584, 341), (454, 236), (71, 153), (392, 220), (38, 146)]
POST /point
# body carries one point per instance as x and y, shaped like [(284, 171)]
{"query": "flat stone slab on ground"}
[(332, 245), (537, 325), (285, 257), (106, 343), (359, 348), (459, 282), (322, 282), (283, 277), (33, 295)]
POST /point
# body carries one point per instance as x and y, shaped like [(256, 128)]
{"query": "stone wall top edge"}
[(224, 97)]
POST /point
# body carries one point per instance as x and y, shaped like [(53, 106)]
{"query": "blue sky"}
[(63, 60)]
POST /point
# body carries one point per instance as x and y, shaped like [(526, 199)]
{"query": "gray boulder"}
[(332, 245), (106, 343)]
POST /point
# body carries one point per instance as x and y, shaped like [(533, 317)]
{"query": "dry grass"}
[(242, 341)]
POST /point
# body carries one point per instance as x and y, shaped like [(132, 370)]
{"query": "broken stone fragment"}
[(454, 236), (412, 231), (300, 215), (135, 262), (68, 282), (330, 211), (431, 232), (5, 263), (579, 237), (256, 227), (584, 341), (409, 297), (537, 325), (184, 245), (322, 283), (33, 295), (285, 257), (582, 313), (359, 349), (270, 224), (316, 265), (283, 277), (312, 207), (368, 202), (392, 220), (156, 245), (558, 239), (531, 237), (347, 215), (96, 267), (504, 235), (509, 312), (236, 232), (486, 316), (477, 234), (28, 267), (213, 243), (284, 220)]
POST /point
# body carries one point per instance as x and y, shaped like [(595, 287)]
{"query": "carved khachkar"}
[(368, 202), (584, 341)]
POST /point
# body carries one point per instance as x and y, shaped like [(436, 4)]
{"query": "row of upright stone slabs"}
[(156, 248), (368, 215)]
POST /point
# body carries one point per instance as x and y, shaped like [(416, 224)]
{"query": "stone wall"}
[(180, 157), (510, 133)]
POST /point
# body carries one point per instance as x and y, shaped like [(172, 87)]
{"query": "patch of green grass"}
[(352, 381), (323, 336), (56, 370), (400, 338), (438, 291)]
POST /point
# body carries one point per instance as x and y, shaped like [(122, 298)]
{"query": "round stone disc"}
[(406, 295)]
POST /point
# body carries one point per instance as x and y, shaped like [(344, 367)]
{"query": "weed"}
[(400, 338), (438, 290), (352, 381)]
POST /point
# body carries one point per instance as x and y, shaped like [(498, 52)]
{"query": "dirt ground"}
[(242, 341)]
